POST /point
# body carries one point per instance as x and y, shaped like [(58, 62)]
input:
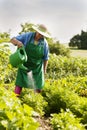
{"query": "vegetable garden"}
[(63, 101)]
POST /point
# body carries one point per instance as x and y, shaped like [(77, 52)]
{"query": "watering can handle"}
[(23, 67), (23, 48)]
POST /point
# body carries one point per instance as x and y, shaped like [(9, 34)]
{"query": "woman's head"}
[(42, 30), (38, 36)]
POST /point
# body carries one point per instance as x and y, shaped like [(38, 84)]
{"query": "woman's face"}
[(38, 36)]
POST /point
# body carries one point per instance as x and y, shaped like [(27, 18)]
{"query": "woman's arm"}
[(45, 66), (16, 42)]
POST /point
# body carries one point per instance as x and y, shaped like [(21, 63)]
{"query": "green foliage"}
[(34, 100), (57, 95), (57, 48), (7, 73), (75, 41), (79, 41), (75, 84), (14, 115), (4, 37), (64, 90), (27, 27), (66, 121), (59, 66), (60, 95), (52, 97), (83, 40)]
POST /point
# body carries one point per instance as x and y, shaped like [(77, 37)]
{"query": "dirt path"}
[(44, 123)]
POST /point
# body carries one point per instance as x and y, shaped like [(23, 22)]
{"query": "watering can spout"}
[(18, 58)]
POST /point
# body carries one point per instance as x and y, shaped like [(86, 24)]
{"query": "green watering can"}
[(18, 58)]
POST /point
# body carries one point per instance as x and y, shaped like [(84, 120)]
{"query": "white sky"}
[(63, 18)]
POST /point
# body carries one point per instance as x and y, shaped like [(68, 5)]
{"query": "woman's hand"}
[(19, 44), (16, 42)]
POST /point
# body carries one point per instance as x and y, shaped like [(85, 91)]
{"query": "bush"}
[(57, 48)]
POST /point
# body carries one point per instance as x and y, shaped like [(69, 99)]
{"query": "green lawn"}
[(75, 52), (78, 53)]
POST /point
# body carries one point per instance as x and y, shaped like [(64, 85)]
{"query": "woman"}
[(37, 51)]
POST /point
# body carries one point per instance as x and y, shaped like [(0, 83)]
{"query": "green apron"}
[(34, 64)]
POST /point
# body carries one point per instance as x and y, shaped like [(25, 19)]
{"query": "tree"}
[(27, 27), (79, 41), (74, 41), (83, 40)]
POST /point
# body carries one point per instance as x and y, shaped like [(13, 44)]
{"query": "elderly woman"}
[(37, 51)]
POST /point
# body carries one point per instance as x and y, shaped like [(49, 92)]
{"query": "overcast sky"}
[(63, 18)]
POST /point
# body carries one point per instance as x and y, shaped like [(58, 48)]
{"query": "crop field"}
[(62, 105)]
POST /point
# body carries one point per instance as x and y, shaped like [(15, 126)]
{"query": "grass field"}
[(78, 53), (75, 52)]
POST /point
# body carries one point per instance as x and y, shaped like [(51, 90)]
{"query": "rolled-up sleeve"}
[(24, 38)]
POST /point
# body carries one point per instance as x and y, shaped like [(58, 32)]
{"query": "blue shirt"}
[(24, 38)]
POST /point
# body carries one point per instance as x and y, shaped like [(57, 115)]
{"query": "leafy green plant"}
[(60, 67), (13, 114), (36, 101), (59, 95), (7, 73), (66, 121)]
